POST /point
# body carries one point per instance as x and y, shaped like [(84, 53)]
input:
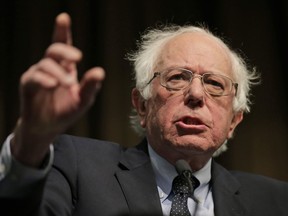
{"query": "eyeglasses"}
[(180, 78)]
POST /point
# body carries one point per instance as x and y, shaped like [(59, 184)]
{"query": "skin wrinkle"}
[(172, 140)]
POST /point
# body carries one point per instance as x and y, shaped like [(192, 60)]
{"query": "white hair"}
[(147, 56)]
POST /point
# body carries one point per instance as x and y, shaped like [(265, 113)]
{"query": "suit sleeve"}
[(21, 187)]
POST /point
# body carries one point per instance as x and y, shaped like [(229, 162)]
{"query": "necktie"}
[(183, 186)]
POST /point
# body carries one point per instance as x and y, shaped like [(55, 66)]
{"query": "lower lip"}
[(190, 127)]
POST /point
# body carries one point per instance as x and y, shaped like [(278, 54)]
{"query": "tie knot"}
[(185, 183)]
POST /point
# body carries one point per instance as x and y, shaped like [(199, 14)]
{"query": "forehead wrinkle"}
[(175, 53)]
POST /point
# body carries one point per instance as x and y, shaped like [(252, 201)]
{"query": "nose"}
[(194, 93)]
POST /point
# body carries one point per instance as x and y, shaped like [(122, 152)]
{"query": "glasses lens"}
[(176, 78), (216, 84), (179, 78)]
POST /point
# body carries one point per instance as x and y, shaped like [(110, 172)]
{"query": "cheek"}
[(160, 112), (222, 118)]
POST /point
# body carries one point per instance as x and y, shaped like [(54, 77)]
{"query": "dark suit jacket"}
[(98, 178)]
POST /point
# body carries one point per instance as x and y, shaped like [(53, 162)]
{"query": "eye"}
[(176, 75), (215, 84), (213, 81)]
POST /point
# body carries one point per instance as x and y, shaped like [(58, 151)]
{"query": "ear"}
[(139, 103), (237, 118)]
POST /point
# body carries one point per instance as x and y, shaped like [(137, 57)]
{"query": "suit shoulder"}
[(70, 148), (259, 181), (65, 141)]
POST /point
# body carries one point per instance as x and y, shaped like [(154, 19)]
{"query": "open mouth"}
[(192, 121), (188, 124)]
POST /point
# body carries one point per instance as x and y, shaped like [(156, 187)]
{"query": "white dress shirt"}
[(201, 205)]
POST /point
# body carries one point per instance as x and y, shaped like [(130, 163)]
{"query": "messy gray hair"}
[(148, 53)]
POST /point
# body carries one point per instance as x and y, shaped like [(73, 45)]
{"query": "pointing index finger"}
[(62, 29)]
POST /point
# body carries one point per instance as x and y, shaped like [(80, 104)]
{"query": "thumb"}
[(90, 85)]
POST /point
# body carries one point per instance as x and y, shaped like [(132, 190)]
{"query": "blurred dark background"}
[(105, 30)]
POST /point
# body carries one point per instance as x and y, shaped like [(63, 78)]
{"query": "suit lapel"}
[(138, 182), (229, 198)]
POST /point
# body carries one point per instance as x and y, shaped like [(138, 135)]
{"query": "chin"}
[(195, 148), (195, 145)]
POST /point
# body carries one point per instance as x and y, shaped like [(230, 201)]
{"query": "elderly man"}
[(191, 92)]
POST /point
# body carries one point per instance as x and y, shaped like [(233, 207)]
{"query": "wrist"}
[(28, 147)]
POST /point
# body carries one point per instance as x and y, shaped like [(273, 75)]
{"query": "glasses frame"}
[(194, 75)]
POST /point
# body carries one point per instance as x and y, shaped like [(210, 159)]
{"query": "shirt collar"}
[(166, 172)]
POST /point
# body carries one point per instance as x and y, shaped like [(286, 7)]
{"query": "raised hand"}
[(51, 96)]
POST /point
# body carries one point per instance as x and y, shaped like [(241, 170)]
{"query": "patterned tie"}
[(182, 189)]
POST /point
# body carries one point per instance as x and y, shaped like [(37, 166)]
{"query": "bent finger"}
[(62, 52), (31, 79), (57, 71)]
